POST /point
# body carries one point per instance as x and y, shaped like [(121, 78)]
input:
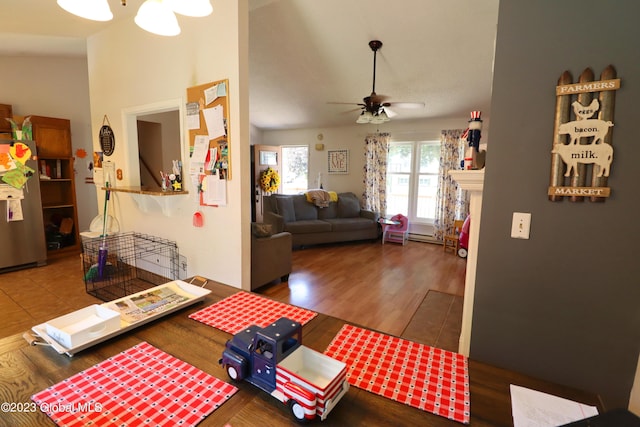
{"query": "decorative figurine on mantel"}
[(473, 157)]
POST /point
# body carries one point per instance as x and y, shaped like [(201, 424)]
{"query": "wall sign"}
[(582, 149), (338, 161), (107, 140)]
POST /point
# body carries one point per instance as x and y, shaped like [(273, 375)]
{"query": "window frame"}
[(283, 176), (414, 176)]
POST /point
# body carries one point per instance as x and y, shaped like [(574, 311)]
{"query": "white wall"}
[(129, 67), (352, 138), (55, 87)]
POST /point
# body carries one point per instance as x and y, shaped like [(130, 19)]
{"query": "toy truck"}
[(273, 358)]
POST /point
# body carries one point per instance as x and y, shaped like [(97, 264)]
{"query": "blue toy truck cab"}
[(252, 354)]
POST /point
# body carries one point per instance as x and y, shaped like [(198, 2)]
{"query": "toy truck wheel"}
[(297, 411), (462, 253), (232, 372)]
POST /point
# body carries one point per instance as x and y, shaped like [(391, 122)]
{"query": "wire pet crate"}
[(134, 262)]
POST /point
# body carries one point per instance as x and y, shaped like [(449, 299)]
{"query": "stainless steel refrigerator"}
[(21, 222)]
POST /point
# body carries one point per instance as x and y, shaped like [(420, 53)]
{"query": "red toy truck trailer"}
[(274, 359)]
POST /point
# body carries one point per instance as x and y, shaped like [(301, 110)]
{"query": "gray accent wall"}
[(565, 304)]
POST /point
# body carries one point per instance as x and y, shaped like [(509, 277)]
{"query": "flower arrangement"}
[(269, 180)]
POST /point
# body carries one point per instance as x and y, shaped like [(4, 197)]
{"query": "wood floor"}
[(414, 291)]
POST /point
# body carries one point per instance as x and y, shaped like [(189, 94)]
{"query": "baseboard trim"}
[(423, 238)]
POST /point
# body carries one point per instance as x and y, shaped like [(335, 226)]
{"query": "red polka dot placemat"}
[(418, 375), (243, 309), (140, 386)]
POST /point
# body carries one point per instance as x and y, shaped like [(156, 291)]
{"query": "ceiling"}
[(305, 54)]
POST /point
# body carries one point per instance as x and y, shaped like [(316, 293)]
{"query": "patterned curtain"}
[(451, 202), (376, 149)]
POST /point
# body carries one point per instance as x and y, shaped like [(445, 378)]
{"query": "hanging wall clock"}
[(107, 140)]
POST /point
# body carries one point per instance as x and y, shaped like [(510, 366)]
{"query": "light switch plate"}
[(520, 225)]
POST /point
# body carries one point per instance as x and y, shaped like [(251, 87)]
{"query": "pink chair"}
[(396, 229)]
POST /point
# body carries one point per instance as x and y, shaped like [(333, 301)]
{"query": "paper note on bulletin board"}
[(208, 119), (213, 190)]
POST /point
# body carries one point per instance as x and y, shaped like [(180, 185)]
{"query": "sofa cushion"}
[(348, 205), (309, 226), (350, 224), (329, 212), (285, 208), (303, 209)]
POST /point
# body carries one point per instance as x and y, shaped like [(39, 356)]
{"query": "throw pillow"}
[(348, 206), (285, 208), (261, 230)]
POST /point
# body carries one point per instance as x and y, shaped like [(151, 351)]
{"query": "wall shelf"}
[(149, 200), (145, 190)]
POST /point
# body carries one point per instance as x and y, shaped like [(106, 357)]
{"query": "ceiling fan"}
[(375, 108)]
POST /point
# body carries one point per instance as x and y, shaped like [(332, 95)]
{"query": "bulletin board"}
[(209, 143)]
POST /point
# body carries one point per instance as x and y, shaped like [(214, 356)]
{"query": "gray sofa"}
[(309, 224)]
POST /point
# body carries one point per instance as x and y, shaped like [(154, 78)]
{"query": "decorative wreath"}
[(269, 180)]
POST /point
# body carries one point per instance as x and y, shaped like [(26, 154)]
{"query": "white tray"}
[(192, 294)]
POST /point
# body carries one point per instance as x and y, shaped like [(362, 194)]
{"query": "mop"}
[(102, 252), (96, 271)]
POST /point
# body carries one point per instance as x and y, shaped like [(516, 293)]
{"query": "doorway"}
[(262, 157)]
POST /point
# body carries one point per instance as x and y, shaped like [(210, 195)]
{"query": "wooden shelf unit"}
[(57, 183)]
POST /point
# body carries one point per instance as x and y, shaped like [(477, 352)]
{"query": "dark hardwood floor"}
[(414, 291)]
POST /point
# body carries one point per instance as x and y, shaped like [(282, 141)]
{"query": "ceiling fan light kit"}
[(374, 118), (95, 10), (155, 16), (193, 8)]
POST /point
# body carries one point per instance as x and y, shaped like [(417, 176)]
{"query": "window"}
[(295, 168), (412, 180)]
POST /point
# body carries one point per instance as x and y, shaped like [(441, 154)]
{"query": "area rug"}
[(418, 375), (140, 386), (243, 309)]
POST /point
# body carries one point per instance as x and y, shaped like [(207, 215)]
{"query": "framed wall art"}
[(338, 161), (582, 152)]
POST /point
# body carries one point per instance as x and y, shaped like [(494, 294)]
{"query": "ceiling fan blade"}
[(352, 110), (346, 103), (390, 113), (408, 105)]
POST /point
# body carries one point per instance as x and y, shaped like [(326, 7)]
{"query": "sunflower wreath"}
[(269, 180)]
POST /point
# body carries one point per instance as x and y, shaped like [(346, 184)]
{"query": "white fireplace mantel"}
[(472, 181)]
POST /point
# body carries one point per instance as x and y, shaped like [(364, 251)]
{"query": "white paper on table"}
[(200, 149), (214, 190), (193, 115), (531, 408), (214, 120)]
